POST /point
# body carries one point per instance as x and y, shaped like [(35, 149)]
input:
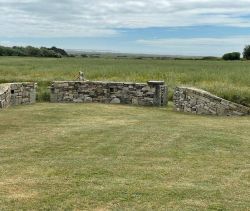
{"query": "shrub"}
[(32, 51), (45, 52), (59, 51), (231, 56), (210, 58), (246, 52)]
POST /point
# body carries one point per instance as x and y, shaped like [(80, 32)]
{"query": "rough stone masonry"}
[(4, 95), (198, 101), (17, 94), (153, 93)]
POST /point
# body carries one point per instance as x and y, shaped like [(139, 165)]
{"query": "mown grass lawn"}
[(101, 157)]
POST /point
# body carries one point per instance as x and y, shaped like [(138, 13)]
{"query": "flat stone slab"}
[(156, 82)]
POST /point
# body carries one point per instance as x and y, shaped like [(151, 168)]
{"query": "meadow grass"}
[(227, 79), (114, 157)]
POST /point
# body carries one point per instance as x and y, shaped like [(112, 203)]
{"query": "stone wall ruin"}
[(153, 93), (197, 101), (17, 94)]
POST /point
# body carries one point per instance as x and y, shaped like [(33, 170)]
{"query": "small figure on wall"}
[(81, 76)]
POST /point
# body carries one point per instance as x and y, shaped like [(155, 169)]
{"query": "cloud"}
[(197, 46), (84, 18), (6, 43)]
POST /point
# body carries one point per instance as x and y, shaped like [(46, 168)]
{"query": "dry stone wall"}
[(153, 93), (23, 93), (198, 101), (17, 94), (4, 95)]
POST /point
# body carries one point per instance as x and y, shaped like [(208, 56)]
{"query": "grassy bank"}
[(230, 80), (85, 157)]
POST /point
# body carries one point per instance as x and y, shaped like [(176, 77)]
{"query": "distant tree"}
[(84, 55), (6, 51), (246, 52), (2, 51), (32, 51), (59, 51), (45, 52), (231, 56), (210, 58), (19, 51)]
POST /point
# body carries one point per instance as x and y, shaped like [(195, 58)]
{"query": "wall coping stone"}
[(207, 94), (101, 82), (150, 83), (200, 92), (156, 82)]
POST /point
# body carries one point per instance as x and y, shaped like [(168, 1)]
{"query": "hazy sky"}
[(177, 27)]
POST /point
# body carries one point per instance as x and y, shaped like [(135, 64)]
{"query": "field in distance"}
[(230, 80)]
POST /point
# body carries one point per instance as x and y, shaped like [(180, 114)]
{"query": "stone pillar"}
[(160, 97), (4, 95)]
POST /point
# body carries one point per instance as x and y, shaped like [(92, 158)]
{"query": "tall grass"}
[(230, 80)]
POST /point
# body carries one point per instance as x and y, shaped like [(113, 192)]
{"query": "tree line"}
[(58, 52), (33, 51), (236, 55)]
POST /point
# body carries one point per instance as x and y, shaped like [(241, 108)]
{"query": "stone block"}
[(88, 100), (115, 101)]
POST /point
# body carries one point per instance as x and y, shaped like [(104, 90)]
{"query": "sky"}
[(166, 27)]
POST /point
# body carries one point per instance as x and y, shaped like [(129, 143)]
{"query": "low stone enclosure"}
[(198, 101), (17, 94), (152, 93)]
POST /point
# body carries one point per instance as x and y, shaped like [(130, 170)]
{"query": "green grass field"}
[(230, 80), (112, 157)]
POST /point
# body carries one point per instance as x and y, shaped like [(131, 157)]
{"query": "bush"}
[(43, 96), (231, 56), (45, 52), (210, 58), (6, 51), (59, 51), (18, 51), (32, 51), (246, 52)]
